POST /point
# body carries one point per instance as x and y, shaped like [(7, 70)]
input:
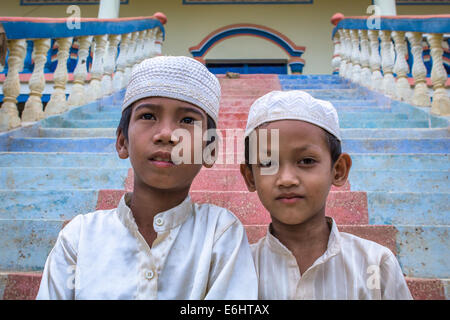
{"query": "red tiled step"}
[(20, 285), (25, 286), (247, 90), (228, 124), (228, 180), (382, 234), (426, 289), (240, 116), (225, 177), (223, 77), (344, 206)]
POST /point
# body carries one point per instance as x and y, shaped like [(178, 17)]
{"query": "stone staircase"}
[(397, 194)]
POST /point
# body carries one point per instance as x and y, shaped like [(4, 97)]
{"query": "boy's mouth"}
[(289, 198), (161, 160)]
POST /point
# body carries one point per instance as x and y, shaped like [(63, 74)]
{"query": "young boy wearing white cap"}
[(156, 244), (303, 255)]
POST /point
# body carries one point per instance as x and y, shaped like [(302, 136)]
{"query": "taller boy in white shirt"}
[(303, 255), (156, 244)]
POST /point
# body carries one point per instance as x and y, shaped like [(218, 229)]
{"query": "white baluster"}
[(146, 45), (58, 103), (401, 67), (441, 100), (356, 71), (344, 58), (387, 63), (376, 79), (110, 64), (349, 71), (9, 115), (95, 89), (121, 62), (420, 96), (140, 53), (158, 42), (365, 70), (78, 95), (33, 110), (149, 42), (336, 61), (130, 58)]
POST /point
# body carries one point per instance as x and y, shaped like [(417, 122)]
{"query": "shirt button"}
[(149, 274), (159, 221)]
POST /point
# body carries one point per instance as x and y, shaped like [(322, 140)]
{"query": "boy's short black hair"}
[(125, 122), (334, 146)]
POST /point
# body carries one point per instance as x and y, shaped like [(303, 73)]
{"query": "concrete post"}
[(109, 9), (387, 7)]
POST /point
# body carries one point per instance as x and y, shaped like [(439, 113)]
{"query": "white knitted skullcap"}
[(181, 78), (293, 105)]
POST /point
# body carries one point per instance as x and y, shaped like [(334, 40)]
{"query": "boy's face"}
[(299, 189), (151, 140)]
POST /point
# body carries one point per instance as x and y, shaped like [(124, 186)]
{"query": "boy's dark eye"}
[(148, 116), (188, 120), (307, 161)]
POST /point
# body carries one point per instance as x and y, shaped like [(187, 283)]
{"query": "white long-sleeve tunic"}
[(351, 268), (201, 252)]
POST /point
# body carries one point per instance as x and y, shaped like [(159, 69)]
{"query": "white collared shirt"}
[(201, 252), (352, 268)]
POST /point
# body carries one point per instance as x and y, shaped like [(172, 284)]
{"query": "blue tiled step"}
[(400, 180), (54, 204), (110, 115), (396, 145), (66, 123), (380, 161), (395, 133), (357, 122), (61, 145), (296, 85), (26, 244), (343, 116), (108, 145), (362, 123), (423, 251), (111, 160), (420, 207), (62, 159), (347, 133), (42, 178)]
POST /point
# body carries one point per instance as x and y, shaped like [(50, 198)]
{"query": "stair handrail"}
[(372, 51), (116, 45)]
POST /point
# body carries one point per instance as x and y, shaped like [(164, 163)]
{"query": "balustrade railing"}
[(379, 52), (113, 46)]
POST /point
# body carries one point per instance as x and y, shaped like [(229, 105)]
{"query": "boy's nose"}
[(164, 135), (287, 177)]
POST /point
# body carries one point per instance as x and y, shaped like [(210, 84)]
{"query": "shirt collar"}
[(162, 221), (333, 246)]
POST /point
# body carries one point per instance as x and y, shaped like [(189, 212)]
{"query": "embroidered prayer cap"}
[(181, 78), (293, 105)]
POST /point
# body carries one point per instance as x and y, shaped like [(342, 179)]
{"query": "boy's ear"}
[(341, 169), (122, 145), (247, 174)]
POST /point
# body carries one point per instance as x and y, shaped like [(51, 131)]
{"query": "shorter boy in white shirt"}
[(303, 255), (157, 244)]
